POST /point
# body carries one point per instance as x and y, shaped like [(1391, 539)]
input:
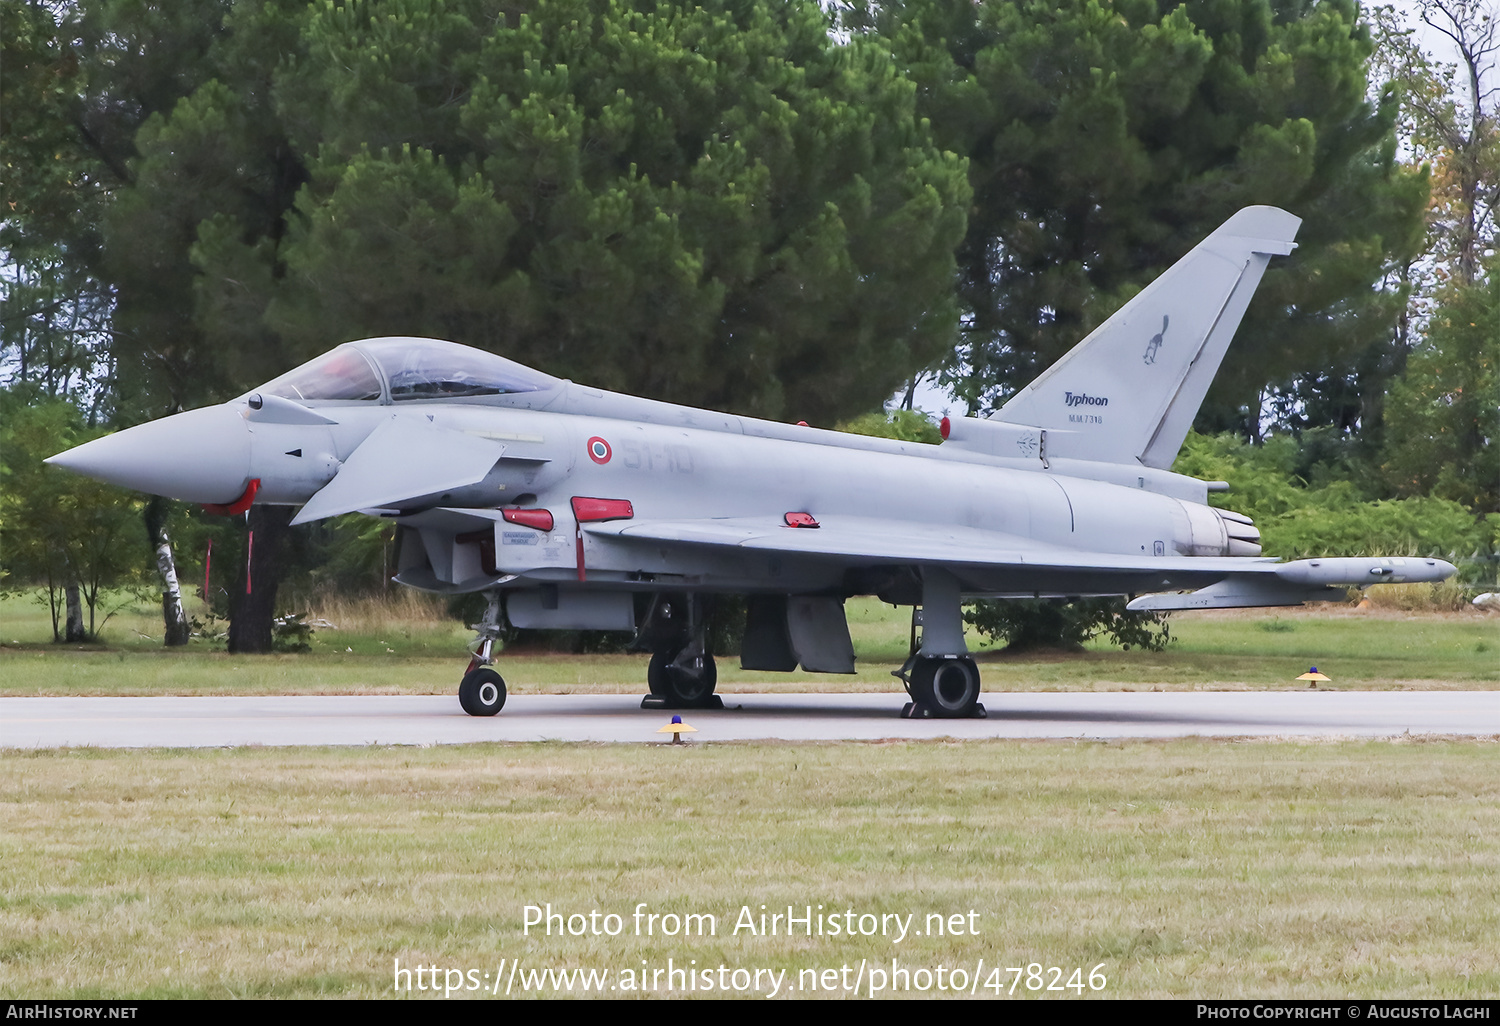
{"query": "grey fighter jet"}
[(576, 508)]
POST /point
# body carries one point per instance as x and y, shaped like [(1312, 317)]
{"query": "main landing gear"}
[(940, 676), (482, 690), (682, 674), (947, 687)]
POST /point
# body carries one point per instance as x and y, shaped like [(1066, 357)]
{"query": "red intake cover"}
[(541, 519), (587, 510)]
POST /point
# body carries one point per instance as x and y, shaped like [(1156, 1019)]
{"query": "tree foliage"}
[(1105, 139), (54, 310), (1029, 624), (1449, 121), (1443, 417), (1307, 508), (80, 79), (59, 530), (905, 425), (715, 204)]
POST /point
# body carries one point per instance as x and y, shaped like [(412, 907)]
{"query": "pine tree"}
[(715, 204), (1105, 139)]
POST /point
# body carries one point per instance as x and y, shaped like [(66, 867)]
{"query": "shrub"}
[(1050, 623)]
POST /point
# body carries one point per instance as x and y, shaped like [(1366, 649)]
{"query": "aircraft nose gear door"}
[(682, 673)]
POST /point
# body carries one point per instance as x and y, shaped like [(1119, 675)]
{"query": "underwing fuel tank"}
[(1302, 580), (1354, 571)]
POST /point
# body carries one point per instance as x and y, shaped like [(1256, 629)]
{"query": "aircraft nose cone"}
[(198, 456)]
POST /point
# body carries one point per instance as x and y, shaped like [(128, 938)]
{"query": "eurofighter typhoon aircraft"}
[(575, 508)]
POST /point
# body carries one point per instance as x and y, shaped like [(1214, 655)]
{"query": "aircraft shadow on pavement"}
[(993, 711)]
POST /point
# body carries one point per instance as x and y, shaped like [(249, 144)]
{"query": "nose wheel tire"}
[(482, 692), (679, 685), (948, 688)]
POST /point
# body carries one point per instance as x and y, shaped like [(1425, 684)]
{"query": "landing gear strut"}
[(482, 690), (682, 674)]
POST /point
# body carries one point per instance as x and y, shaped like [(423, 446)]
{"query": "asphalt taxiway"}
[(210, 722)]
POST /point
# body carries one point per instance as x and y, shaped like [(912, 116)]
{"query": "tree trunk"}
[(253, 607), (54, 607), (174, 619), (74, 630)]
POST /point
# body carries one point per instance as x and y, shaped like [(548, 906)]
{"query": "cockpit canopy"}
[(397, 369)]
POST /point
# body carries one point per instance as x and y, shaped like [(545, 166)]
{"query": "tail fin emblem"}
[(1155, 343)]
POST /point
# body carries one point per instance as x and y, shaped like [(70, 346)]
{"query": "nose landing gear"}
[(482, 690)]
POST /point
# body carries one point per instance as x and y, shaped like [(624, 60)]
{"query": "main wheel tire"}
[(482, 692), (656, 672), (676, 685), (949, 688)]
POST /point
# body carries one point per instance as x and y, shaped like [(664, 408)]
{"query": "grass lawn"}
[(422, 653), (1185, 868)]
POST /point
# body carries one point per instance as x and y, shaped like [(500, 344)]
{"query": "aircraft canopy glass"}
[(341, 374), (429, 369), (405, 368)]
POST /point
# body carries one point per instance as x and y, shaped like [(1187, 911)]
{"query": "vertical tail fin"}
[(1129, 392)]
